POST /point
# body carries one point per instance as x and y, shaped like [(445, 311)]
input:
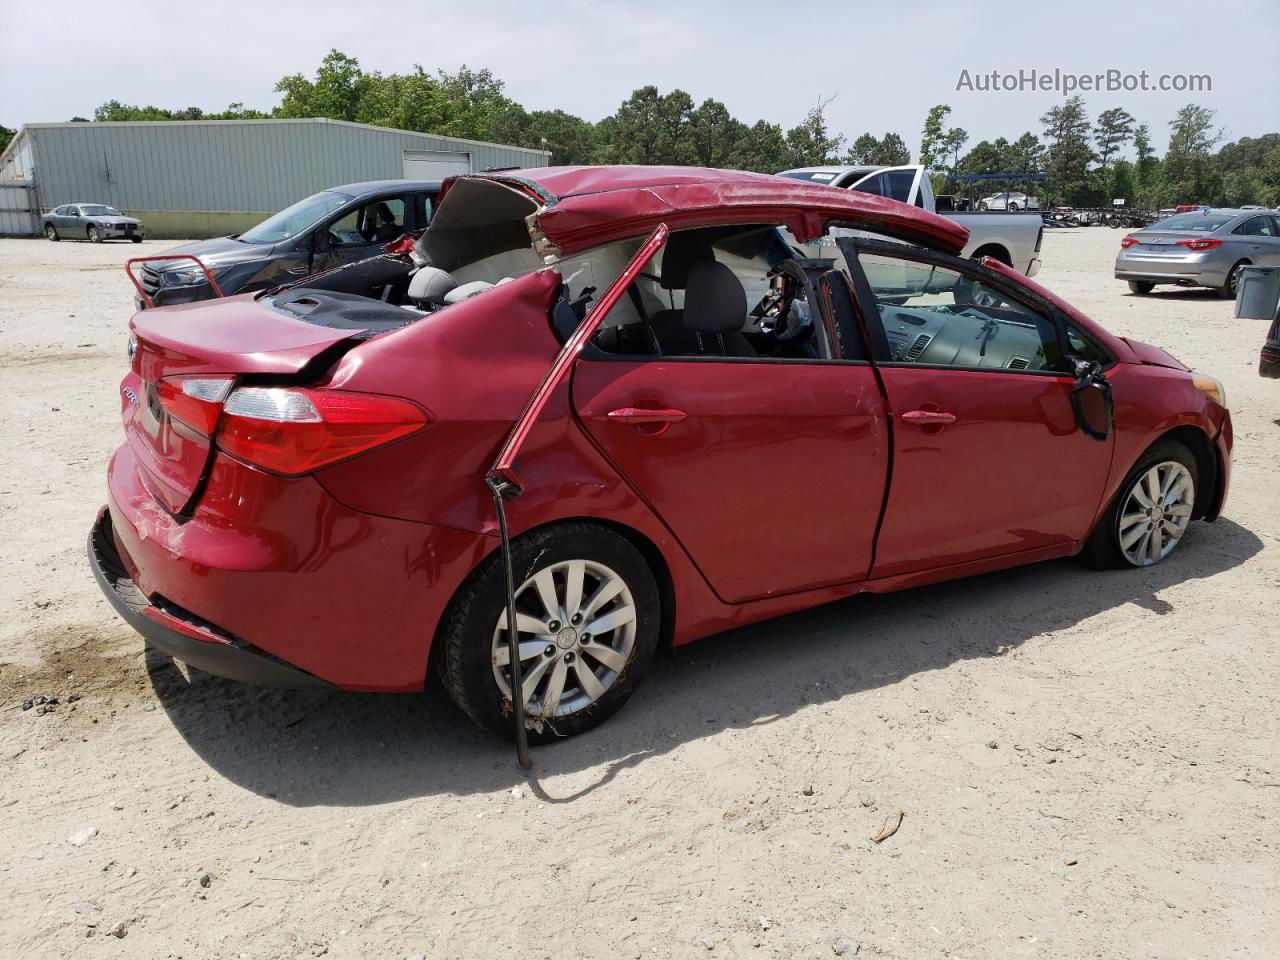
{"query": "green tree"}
[(1026, 154), (863, 150), (336, 91), (811, 142), (952, 143), (1113, 129), (570, 139), (5, 136), (649, 127), (1189, 174), (1269, 178), (1067, 158), (932, 148), (762, 148), (714, 134), (891, 151)]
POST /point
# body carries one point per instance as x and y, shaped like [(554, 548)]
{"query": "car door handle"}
[(641, 415), (928, 418)]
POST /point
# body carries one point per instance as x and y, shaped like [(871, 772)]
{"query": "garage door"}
[(434, 164)]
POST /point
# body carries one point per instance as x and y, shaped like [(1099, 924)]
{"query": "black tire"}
[(136, 239), (51, 232), (94, 234), (982, 206), (1014, 208), (1141, 287), (1228, 290), (463, 654), (1102, 549)]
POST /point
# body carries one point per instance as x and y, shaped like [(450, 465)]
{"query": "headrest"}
[(714, 300), (458, 294), (681, 252), (430, 284)]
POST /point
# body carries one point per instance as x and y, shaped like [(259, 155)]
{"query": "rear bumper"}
[(1193, 269), (282, 569), (183, 636)]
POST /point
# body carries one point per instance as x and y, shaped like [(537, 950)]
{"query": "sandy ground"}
[(1086, 763)]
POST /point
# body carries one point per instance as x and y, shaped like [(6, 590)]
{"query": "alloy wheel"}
[(576, 622), (1156, 513)]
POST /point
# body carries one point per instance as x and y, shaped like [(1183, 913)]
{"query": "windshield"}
[(97, 210), (293, 220), (1196, 222)]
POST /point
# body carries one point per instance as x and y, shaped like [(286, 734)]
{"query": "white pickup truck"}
[(1012, 238)]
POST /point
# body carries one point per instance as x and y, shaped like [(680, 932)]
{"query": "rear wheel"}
[(1228, 290), (95, 235), (1150, 513), (587, 618), (1141, 287), (1013, 208), (51, 232)]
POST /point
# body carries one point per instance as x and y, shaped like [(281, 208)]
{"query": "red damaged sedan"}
[(679, 422)]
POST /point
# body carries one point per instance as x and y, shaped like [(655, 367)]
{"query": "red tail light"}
[(292, 430), (1128, 242), (195, 401), (1200, 243)]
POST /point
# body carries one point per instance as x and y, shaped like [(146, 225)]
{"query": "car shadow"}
[(1171, 292), (306, 748)]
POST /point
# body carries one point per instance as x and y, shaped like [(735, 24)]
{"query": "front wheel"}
[(95, 235), (587, 619), (1149, 515), (136, 239), (982, 206), (51, 233)]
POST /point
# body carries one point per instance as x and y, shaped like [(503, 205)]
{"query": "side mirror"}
[(1091, 400)]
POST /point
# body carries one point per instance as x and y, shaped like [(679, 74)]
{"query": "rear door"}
[(987, 457), (897, 183), (769, 471), (1260, 237)]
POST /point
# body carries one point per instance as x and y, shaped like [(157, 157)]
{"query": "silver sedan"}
[(91, 221), (1204, 248)]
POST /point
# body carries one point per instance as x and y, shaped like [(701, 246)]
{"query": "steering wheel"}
[(774, 306)]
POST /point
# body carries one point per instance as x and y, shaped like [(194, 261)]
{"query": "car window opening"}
[(720, 292)]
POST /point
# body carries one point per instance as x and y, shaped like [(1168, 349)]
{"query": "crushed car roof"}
[(582, 207)]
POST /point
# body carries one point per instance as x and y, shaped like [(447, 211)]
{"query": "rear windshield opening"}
[(1196, 222)]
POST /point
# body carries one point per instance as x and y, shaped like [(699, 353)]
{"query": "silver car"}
[(1203, 248), (1009, 201), (91, 221)]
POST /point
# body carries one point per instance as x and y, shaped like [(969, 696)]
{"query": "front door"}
[(763, 449), (988, 460), (360, 232)]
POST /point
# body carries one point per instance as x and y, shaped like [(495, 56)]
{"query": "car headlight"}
[(1211, 387), (184, 278)]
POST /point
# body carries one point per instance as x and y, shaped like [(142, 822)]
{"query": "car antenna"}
[(504, 482)]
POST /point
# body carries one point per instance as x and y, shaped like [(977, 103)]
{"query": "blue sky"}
[(885, 62)]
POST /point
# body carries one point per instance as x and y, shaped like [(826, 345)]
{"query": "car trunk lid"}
[(1164, 243), (226, 341)]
